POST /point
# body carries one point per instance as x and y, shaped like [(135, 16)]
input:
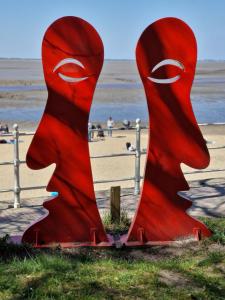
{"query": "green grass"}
[(193, 271), (218, 228), (116, 227)]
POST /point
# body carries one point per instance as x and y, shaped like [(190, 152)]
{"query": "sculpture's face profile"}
[(72, 54), (72, 57), (166, 58)]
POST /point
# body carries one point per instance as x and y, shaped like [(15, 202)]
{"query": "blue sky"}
[(119, 23)]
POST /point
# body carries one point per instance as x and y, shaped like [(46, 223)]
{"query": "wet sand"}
[(208, 85)]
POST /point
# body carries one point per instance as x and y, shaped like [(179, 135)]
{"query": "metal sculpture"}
[(72, 54), (166, 58)]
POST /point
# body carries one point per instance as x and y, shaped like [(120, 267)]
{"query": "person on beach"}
[(130, 147), (89, 131), (126, 124), (92, 132), (100, 133), (110, 125), (4, 129)]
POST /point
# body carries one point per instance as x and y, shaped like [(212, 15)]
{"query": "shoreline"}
[(113, 95), (26, 126)]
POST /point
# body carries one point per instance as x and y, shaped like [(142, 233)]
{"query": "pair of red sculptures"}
[(72, 54)]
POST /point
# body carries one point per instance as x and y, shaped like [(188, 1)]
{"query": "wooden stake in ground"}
[(115, 204)]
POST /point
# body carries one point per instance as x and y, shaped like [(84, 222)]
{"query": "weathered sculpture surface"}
[(72, 54), (166, 56)]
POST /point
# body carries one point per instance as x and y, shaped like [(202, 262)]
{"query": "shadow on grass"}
[(93, 276), (196, 271), (56, 275)]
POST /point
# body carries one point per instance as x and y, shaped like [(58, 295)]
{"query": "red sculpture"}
[(72, 54), (166, 58)]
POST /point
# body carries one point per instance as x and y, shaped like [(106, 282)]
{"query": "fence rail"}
[(17, 162), (136, 154)]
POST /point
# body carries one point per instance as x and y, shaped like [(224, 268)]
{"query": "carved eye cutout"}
[(70, 70), (168, 63)]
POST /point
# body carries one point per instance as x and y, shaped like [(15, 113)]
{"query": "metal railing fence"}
[(17, 189), (16, 162)]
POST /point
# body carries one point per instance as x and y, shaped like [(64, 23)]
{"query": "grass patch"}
[(193, 271), (217, 226), (116, 228)]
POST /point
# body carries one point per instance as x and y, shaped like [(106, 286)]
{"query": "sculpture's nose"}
[(42, 151)]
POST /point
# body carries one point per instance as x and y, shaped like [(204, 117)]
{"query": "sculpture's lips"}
[(166, 62)]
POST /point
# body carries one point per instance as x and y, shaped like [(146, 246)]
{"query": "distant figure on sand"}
[(93, 133), (110, 125), (100, 133), (126, 124), (4, 128), (0, 128), (89, 131), (130, 147)]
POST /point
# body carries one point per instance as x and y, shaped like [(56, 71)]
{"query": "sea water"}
[(206, 110)]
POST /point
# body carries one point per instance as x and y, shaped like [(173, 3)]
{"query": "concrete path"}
[(208, 198)]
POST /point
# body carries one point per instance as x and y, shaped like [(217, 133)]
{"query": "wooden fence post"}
[(115, 204)]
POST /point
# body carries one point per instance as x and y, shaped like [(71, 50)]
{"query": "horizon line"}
[(129, 59)]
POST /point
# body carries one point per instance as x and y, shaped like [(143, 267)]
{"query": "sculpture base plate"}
[(124, 242), (18, 240)]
